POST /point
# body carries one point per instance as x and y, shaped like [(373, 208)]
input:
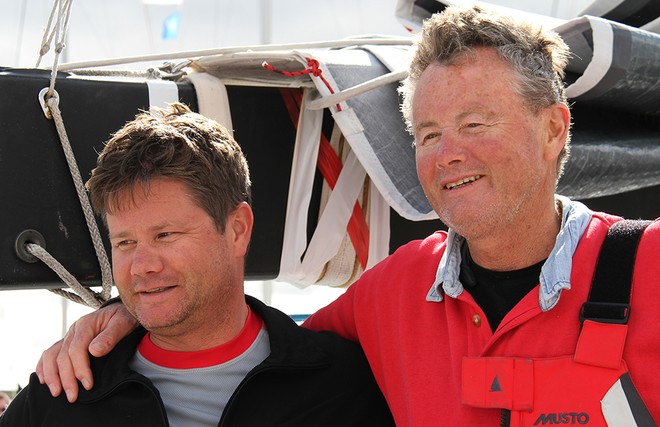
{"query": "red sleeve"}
[(378, 292), (338, 316)]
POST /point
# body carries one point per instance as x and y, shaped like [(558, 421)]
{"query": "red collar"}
[(203, 358)]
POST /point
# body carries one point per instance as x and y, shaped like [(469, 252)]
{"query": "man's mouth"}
[(156, 290), (462, 182)]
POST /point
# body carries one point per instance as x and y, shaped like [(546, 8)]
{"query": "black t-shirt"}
[(497, 292)]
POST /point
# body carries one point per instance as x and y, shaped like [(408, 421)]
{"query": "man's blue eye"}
[(430, 136), (124, 243)]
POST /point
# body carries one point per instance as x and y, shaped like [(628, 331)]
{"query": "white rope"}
[(57, 32), (148, 74), (106, 271), (48, 35), (49, 100), (336, 44), (336, 98), (90, 298)]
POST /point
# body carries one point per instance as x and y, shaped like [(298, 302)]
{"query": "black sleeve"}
[(24, 410)]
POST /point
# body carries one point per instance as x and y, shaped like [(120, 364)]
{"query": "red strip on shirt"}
[(203, 358)]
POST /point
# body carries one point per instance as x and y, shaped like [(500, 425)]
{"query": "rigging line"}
[(228, 50), (47, 37), (65, 33), (336, 98), (59, 31), (95, 234), (49, 99), (86, 295)]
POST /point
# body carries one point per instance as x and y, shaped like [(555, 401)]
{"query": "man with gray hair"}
[(481, 326)]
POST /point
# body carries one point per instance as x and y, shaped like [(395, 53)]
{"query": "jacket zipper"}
[(505, 418)]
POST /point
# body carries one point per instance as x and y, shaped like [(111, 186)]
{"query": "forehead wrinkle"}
[(477, 109)]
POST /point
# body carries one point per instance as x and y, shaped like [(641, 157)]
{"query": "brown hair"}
[(173, 143)]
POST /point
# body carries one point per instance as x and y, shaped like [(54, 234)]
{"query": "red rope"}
[(314, 69), (330, 166)]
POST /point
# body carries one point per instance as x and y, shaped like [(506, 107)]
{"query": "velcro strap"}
[(609, 297), (521, 384), (601, 344), (498, 382)]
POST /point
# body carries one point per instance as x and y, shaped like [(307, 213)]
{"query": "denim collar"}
[(555, 273)]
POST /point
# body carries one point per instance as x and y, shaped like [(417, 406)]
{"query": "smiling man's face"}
[(480, 152), (173, 268)]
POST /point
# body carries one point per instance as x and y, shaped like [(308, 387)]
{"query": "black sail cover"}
[(613, 83)]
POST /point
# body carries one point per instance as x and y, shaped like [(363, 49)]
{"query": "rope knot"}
[(314, 67)]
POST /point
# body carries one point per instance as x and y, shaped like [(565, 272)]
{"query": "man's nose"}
[(449, 150), (146, 259)]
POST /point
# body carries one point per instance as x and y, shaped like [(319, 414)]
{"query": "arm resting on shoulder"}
[(67, 361), (337, 317)]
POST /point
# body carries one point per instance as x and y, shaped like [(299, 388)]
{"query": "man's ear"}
[(239, 224), (558, 125)]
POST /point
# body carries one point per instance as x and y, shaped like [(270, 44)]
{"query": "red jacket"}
[(416, 347)]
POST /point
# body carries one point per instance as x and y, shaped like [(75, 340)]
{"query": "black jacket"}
[(309, 379)]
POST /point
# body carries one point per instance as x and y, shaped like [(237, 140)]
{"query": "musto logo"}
[(563, 418)]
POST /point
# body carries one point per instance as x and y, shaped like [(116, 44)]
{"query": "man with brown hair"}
[(174, 190)]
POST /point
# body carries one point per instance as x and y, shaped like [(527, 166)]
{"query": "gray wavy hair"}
[(537, 57)]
